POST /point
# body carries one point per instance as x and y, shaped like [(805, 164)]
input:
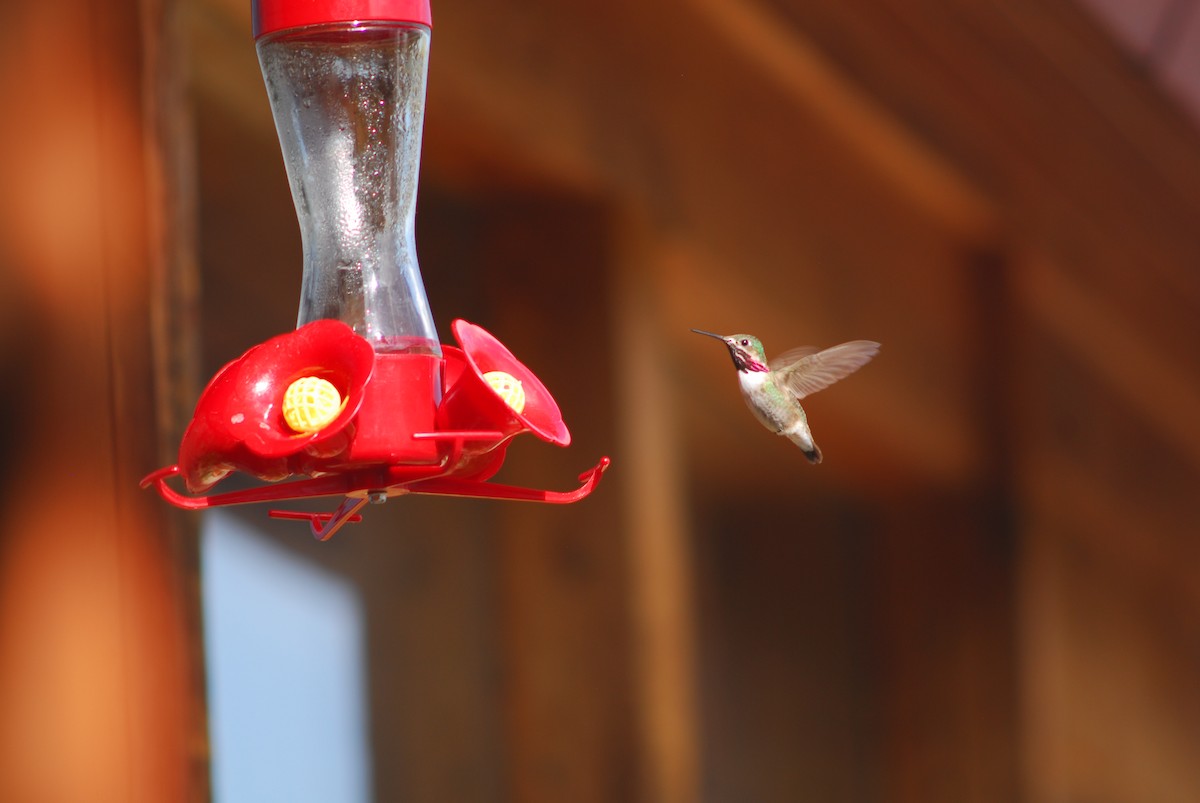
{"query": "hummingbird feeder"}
[(360, 401)]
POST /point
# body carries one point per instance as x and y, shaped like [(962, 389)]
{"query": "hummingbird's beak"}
[(733, 354), (710, 334)]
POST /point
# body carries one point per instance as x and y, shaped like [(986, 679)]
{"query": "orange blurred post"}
[(99, 688)]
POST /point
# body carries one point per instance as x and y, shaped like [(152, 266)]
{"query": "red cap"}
[(278, 15)]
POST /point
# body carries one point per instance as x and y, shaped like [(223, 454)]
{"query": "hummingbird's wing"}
[(804, 371)]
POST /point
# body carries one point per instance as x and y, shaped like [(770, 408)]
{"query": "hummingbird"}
[(773, 389)]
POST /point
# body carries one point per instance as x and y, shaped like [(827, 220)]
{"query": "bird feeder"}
[(361, 401)]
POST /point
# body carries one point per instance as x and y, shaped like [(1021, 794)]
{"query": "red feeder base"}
[(396, 431)]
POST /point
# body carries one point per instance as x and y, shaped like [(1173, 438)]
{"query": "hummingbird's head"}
[(746, 350)]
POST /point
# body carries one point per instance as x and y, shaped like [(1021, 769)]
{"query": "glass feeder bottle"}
[(348, 97)]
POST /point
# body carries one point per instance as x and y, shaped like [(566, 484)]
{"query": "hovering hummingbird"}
[(773, 390)]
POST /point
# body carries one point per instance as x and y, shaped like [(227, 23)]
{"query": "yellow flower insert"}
[(508, 388), (311, 404)]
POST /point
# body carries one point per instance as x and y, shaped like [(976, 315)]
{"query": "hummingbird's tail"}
[(801, 435)]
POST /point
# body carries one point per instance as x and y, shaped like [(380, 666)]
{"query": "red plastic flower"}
[(239, 423), (484, 354), (472, 405)]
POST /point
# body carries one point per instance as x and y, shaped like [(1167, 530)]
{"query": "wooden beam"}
[(100, 690), (797, 65), (657, 529), (562, 607)]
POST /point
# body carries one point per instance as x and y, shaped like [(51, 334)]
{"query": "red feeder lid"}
[(278, 15)]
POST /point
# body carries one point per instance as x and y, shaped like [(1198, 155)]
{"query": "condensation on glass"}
[(349, 104)]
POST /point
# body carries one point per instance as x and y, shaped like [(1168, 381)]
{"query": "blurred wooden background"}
[(988, 592)]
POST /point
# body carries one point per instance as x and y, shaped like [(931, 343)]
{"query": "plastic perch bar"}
[(362, 487)]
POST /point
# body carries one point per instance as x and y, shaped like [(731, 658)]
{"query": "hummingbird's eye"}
[(745, 342)]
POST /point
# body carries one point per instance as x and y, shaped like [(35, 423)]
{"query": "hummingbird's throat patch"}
[(745, 362)]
